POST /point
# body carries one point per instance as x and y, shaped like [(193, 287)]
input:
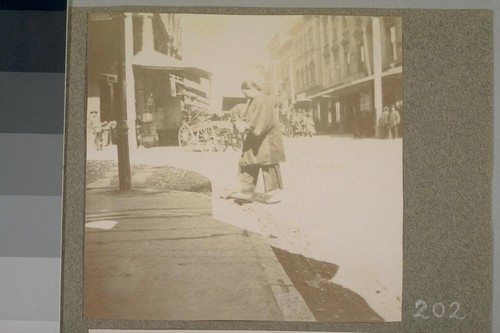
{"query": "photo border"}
[(423, 197)]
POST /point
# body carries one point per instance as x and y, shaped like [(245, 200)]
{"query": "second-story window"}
[(347, 62), (336, 65), (310, 38), (394, 43), (312, 69), (306, 71), (325, 32), (334, 28), (332, 67)]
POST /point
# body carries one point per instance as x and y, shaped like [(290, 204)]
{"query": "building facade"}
[(161, 90), (340, 69)]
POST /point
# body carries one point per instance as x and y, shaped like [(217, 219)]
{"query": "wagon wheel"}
[(219, 139), (186, 136), (206, 137), (220, 144), (236, 141), (222, 140)]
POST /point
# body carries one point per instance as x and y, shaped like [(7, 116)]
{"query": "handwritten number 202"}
[(438, 310), (454, 314)]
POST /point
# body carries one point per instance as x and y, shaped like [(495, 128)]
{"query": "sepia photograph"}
[(243, 168)]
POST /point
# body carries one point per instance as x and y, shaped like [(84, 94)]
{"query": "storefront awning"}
[(343, 87), (196, 97), (192, 88), (157, 60), (302, 101)]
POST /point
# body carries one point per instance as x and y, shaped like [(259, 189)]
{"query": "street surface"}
[(342, 204)]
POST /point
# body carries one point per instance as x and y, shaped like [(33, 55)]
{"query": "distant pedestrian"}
[(399, 109), (262, 146), (394, 120), (108, 132), (138, 132), (96, 128), (383, 123), (310, 128), (105, 133)]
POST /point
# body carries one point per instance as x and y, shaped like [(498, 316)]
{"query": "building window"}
[(362, 53), (394, 43), (336, 65), (306, 71), (347, 62), (312, 69), (334, 28), (344, 23), (325, 32), (310, 38)]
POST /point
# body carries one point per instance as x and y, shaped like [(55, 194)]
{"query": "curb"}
[(288, 299)]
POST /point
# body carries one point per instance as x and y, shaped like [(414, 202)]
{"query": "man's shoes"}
[(273, 197), (243, 196)]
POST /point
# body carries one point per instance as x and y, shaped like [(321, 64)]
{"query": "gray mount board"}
[(448, 166)]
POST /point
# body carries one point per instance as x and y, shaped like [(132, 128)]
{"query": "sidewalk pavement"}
[(155, 254)]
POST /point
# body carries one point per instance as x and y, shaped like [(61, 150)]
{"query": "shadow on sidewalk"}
[(329, 302)]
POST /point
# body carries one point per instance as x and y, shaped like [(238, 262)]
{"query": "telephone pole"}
[(377, 70), (124, 174)]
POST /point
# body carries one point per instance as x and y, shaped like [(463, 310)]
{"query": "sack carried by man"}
[(240, 125)]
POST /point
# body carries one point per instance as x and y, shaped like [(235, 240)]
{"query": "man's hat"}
[(251, 84), (93, 111)]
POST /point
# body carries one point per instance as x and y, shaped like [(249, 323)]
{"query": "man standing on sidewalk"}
[(262, 147), (96, 128), (394, 120)]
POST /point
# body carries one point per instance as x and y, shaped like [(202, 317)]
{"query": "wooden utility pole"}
[(124, 174), (377, 70)]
